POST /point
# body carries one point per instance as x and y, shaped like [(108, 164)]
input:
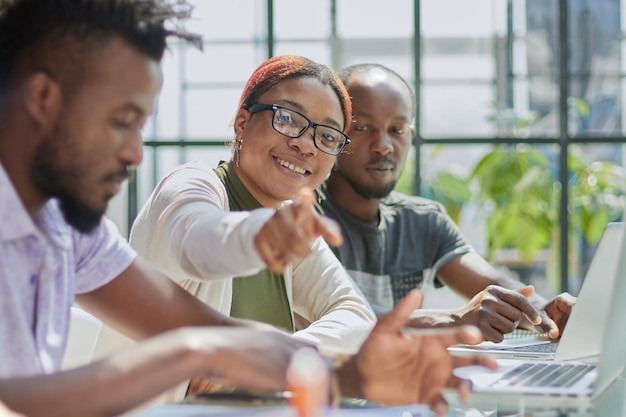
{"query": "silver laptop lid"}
[(583, 336), (613, 360), (584, 333)]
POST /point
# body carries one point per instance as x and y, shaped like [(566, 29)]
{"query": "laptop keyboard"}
[(544, 375), (539, 348), (520, 333)]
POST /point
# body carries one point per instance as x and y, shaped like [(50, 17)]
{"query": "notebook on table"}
[(582, 337), (593, 385)]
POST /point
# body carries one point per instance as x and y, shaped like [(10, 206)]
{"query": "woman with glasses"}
[(243, 236)]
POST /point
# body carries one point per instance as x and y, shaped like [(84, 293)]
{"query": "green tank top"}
[(262, 296)]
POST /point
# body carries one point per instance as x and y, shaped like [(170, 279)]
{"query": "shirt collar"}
[(17, 223)]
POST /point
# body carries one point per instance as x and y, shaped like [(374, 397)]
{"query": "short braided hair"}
[(46, 32)]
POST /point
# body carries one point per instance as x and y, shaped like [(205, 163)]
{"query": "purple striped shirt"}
[(44, 262)]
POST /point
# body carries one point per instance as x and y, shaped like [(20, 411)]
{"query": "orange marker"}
[(308, 378)]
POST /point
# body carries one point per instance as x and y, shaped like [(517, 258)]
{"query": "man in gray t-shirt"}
[(407, 225), (394, 243)]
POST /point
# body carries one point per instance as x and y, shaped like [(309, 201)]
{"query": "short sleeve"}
[(100, 256)]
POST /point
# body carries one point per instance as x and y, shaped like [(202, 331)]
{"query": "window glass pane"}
[(158, 162), (209, 113), (534, 111), (597, 196), (594, 66), (146, 181), (117, 210), (456, 110), (402, 64), (228, 20), (223, 63), (528, 201), (165, 122), (200, 100), (445, 170), (511, 48), (211, 156), (536, 62), (439, 67), (301, 19), (459, 18), (358, 51), (207, 90), (317, 51), (375, 19), (507, 208), (460, 67)]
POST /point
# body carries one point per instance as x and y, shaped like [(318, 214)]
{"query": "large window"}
[(519, 118)]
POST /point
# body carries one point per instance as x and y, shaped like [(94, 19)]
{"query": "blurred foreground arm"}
[(232, 356), (144, 304)]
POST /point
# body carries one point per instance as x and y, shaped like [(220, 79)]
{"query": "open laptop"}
[(582, 337), (596, 385)]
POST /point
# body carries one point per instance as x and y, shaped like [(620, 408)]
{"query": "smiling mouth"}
[(292, 167)]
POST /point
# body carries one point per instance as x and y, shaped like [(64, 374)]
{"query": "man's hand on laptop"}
[(555, 314), (497, 311)]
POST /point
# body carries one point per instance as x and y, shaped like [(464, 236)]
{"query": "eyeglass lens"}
[(292, 124)]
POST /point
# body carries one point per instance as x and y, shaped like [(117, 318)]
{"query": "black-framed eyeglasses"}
[(293, 124)]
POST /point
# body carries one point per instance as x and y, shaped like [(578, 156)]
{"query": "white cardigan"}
[(187, 231)]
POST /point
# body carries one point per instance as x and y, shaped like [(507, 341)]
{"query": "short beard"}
[(372, 192), (78, 215), (54, 182)]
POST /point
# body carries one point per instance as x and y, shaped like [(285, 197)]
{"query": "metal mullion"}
[(592, 140), (489, 140), (418, 141), (270, 28), (333, 41), (185, 142), (564, 136)]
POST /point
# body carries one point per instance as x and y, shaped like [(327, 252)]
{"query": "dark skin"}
[(5, 412), (90, 139), (382, 134)]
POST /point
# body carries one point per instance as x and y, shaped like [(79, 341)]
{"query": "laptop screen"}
[(613, 359), (584, 334)]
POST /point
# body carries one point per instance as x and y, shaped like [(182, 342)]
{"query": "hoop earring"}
[(236, 149)]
